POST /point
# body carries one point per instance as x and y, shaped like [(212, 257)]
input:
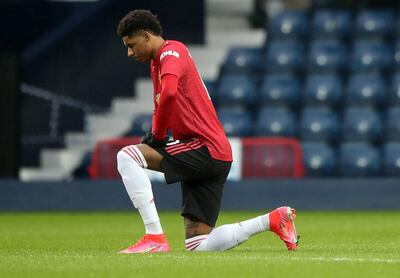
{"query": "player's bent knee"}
[(130, 154), (122, 159), (152, 157)]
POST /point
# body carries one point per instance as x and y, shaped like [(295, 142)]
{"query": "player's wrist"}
[(150, 139), (160, 142), (157, 137)]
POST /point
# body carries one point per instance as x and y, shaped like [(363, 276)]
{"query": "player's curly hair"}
[(137, 20)]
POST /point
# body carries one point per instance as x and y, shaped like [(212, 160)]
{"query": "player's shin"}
[(130, 166), (226, 237)]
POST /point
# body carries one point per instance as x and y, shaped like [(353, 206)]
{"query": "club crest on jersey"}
[(158, 98), (169, 52)]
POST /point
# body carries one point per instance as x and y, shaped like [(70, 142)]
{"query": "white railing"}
[(56, 101)]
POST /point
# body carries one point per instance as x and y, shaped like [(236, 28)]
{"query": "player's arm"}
[(171, 69), (169, 89), (153, 120)]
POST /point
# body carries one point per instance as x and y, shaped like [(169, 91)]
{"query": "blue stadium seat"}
[(281, 89), (210, 85), (396, 54), (243, 60), (371, 56), (236, 90), (361, 124), (141, 124), (275, 122), (325, 90), (324, 4), (366, 89), (359, 159), (331, 24), (394, 96), (232, 109), (397, 27), (375, 23), (391, 159), (284, 57), (318, 124), (236, 123), (327, 56), (319, 159), (392, 124), (288, 25)]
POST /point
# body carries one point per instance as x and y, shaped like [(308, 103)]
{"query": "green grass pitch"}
[(332, 244)]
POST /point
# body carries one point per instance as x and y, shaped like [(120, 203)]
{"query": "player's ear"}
[(146, 35)]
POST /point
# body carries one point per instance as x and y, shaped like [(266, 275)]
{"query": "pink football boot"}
[(149, 244), (281, 222)]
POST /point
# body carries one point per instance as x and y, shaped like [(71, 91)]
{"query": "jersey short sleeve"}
[(172, 62)]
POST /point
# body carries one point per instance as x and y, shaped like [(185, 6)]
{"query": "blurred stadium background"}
[(308, 92)]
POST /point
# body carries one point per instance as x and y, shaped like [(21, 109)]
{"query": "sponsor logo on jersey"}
[(169, 52)]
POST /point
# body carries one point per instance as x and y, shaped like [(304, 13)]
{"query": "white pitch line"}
[(323, 259), (224, 257), (347, 259)]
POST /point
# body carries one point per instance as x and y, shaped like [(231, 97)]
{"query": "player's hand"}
[(148, 139)]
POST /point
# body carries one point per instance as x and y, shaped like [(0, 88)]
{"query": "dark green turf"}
[(346, 244)]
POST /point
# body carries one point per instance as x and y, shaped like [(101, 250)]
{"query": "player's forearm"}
[(169, 88), (154, 122)]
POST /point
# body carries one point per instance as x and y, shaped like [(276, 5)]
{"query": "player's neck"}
[(158, 42)]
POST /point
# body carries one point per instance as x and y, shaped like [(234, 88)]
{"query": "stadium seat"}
[(141, 124), (391, 159), (328, 56), (284, 57), (275, 122), (288, 25), (374, 24), (243, 60), (318, 124), (397, 27), (370, 56), (236, 90), (366, 89), (392, 124), (236, 123), (234, 109), (210, 85), (394, 92), (396, 54), (361, 124), (325, 90), (331, 24), (281, 89), (319, 159), (359, 159)]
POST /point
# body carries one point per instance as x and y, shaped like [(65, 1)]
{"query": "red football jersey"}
[(192, 114)]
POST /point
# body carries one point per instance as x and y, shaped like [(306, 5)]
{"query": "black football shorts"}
[(202, 178)]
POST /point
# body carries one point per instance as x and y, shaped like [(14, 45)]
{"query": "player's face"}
[(139, 47)]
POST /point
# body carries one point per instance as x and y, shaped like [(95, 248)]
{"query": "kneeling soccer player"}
[(200, 158)]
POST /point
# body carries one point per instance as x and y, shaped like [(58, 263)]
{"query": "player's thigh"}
[(153, 158)]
